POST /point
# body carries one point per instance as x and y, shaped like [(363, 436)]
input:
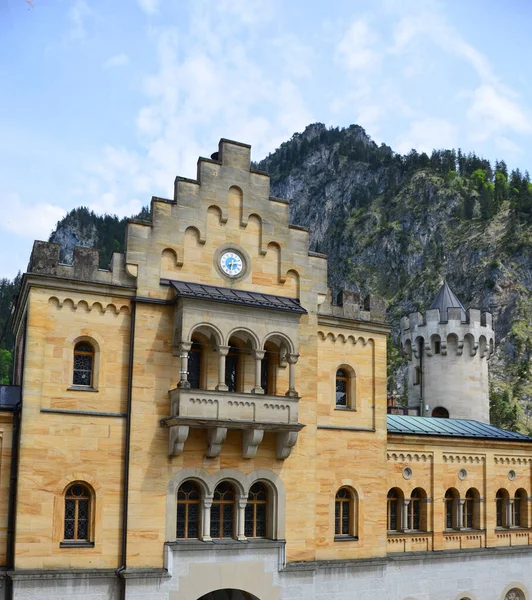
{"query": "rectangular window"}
[(437, 347), (231, 371), (417, 376)]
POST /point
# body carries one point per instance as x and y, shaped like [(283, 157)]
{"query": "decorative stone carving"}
[(514, 594), (285, 441), (178, 437), (251, 438), (215, 438)]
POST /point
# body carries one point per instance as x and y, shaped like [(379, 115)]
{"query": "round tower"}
[(448, 350)]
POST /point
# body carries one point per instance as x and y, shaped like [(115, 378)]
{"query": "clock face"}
[(231, 263)]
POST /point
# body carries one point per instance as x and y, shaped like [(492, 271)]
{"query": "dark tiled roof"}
[(445, 299), (457, 428), (213, 293)]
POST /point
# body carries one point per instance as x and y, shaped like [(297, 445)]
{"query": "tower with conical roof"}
[(448, 349)]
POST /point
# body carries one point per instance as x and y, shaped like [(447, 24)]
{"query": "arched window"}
[(223, 511), (188, 511), (83, 364), (255, 520), (514, 594), (268, 368), (416, 510), (451, 497), (344, 512), (501, 502), (194, 366), (77, 513), (342, 388), (471, 509), (440, 413), (395, 498), (520, 508)]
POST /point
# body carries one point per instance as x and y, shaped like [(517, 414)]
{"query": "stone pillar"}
[(223, 351), (206, 520), (184, 349), (241, 519), (510, 513), (405, 525), (292, 360), (460, 507), (258, 356)]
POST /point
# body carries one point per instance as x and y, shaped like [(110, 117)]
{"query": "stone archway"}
[(228, 595)]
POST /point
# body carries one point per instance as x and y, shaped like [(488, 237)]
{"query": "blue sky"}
[(103, 103)]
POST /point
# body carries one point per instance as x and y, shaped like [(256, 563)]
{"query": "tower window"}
[(417, 376), (83, 364), (437, 347)]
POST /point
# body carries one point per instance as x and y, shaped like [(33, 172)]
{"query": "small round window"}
[(512, 475), (462, 474), (407, 472)]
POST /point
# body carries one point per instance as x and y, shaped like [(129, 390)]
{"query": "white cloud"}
[(118, 60), (150, 7), (27, 220), (358, 48), (78, 14), (495, 110), (427, 134)]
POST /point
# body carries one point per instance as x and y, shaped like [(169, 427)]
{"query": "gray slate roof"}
[(212, 293), (445, 299), (457, 428)]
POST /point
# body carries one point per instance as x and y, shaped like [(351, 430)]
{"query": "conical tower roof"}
[(445, 299)]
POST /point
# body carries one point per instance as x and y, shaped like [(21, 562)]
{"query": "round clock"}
[(231, 263)]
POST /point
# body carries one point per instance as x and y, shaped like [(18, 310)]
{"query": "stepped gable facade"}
[(206, 421)]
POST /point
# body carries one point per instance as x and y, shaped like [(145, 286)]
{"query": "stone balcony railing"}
[(218, 411)]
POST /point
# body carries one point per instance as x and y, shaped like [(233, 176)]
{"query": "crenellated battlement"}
[(447, 349), (347, 304), (44, 260)]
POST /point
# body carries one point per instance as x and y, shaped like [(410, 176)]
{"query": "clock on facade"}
[(231, 263)]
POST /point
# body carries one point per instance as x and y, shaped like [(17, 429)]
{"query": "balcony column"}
[(291, 359), (206, 519), (241, 519), (510, 513), (258, 355), (223, 351), (460, 506), (405, 525), (184, 349)]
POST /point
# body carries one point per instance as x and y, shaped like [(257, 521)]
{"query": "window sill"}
[(346, 538), (81, 388), (348, 408), (75, 544)]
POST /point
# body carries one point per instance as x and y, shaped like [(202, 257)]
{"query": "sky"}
[(103, 103)]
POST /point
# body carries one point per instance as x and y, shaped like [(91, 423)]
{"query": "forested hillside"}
[(396, 225)]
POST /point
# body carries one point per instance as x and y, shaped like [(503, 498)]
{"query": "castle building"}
[(203, 422)]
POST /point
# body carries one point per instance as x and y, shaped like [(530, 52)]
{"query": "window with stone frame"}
[(343, 512), (77, 526), (342, 388), (83, 371), (256, 512), (223, 511), (393, 510), (188, 511)]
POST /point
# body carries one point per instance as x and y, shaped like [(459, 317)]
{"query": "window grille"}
[(77, 513), (449, 504), (83, 364), (342, 381), (414, 510), (342, 512), (188, 511), (223, 511), (469, 509), (255, 520), (499, 509)]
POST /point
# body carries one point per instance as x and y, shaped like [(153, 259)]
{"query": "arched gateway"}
[(228, 595)]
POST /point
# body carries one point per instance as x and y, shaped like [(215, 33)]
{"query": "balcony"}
[(218, 411)]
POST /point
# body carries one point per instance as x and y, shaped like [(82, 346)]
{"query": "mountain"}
[(396, 225)]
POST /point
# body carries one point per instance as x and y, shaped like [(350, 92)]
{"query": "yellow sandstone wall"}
[(59, 448)]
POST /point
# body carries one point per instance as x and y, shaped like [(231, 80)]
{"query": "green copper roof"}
[(457, 428)]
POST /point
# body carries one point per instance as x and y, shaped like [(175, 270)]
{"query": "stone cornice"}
[(354, 324)]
